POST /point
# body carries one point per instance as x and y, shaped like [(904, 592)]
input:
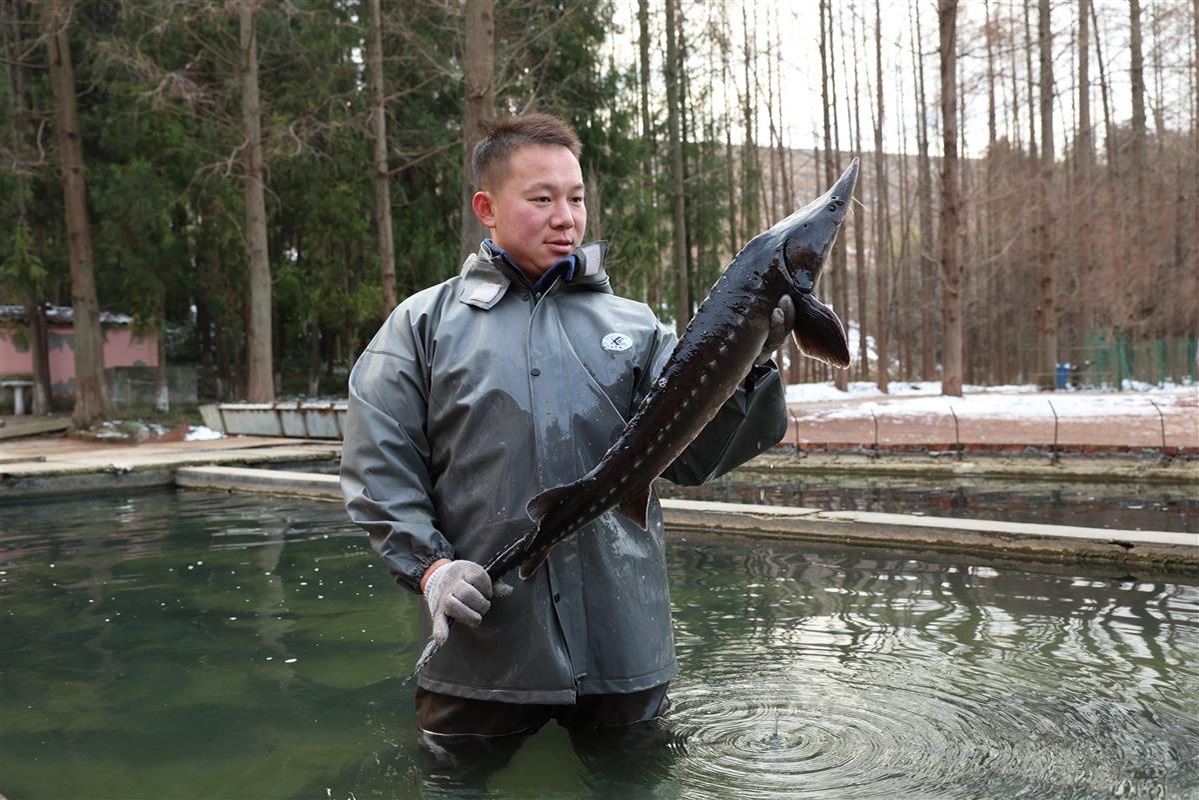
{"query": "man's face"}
[(536, 212)]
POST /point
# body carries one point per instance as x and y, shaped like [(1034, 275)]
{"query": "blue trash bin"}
[(1063, 375)]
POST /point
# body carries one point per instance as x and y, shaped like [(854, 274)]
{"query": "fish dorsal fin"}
[(819, 333), (636, 508)]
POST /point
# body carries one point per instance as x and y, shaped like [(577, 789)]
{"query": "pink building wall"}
[(121, 349)]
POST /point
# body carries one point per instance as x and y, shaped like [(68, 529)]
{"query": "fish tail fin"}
[(538, 509), (819, 332)]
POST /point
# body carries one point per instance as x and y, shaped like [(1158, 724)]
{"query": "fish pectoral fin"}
[(636, 508), (819, 332), (530, 565)]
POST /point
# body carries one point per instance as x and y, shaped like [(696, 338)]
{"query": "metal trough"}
[(317, 419)]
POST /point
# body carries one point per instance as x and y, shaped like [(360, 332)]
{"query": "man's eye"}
[(578, 201)]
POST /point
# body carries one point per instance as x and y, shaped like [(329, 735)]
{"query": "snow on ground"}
[(1009, 402), (201, 433)]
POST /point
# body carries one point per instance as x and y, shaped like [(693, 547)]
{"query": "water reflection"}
[(192, 645)]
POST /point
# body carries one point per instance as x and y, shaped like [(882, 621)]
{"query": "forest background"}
[(259, 182)]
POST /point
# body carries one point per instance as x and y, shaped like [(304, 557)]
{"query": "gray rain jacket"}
[(471, 399)]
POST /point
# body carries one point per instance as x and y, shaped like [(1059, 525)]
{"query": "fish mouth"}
[(803, 277)]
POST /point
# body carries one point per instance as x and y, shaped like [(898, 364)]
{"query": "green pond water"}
[(191, 645)]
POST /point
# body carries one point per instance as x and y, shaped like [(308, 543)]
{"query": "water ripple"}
[(944, 687)]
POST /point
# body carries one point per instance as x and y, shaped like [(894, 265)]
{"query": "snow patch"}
[(923, 399), (201, 433)]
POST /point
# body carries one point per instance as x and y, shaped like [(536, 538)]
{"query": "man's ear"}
[(481, 205)]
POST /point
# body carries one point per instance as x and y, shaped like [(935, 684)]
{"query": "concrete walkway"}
[(53, 465)]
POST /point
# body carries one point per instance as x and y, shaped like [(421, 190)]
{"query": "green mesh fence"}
[(1112, 357)]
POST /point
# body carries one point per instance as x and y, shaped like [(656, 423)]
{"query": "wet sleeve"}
[(750, 422), (385, 476)]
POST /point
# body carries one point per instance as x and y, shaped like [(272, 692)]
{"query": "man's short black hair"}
[(505, 135)]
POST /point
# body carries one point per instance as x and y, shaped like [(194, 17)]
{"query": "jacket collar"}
[(486, 278)]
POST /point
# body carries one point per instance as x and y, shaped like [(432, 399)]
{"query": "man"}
[(514, 377)]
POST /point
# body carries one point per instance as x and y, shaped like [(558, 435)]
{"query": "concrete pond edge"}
[(1160, 551)]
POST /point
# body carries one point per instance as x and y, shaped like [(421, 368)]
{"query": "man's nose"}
[(562, 218)]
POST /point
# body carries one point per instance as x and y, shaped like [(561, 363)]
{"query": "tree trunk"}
[(162, 383), (751, 177), (15, 82), (39, 348), (859, 218), (882, 243), (479, 59), (1109, 139), (314, 361), (1194, 204), (1045, 312), (1141, 287), (679, 251), (951, 271), (652, 280), (690, 208), (1032, 117), (928, 263), (91, 394), (991, 344), (382, 173), (1137, 75), (1084, 149), (260, 383), (834, 271)]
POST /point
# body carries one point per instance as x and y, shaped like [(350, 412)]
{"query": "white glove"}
[(460, 590)]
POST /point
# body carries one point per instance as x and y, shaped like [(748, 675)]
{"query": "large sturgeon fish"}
[(714, 354)]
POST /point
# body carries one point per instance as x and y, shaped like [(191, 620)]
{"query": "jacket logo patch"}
[(617, 342), (485, 293)]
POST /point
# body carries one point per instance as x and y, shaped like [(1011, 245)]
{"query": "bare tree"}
[(1141, 287), (1136, 72), (1045, 312), (1109, 138), (382, 175), (837, 265), (882, 239), (91, 394), (1084, 151), (951, 269), (928, 263), (859, 219), (751, 175)]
